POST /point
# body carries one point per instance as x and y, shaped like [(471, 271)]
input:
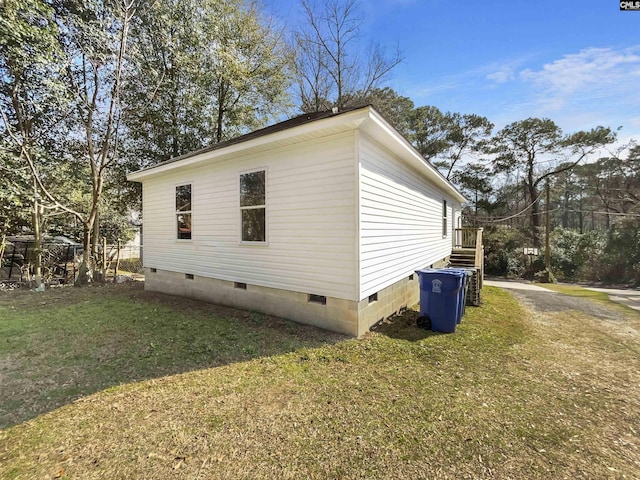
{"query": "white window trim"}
[(254, 207), (175, 212), (445, 218)]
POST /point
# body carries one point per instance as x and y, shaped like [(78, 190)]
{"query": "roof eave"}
[(405, 150), (350, 120), (366, 117)]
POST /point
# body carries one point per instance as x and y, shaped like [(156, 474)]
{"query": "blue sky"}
[(576, 62)]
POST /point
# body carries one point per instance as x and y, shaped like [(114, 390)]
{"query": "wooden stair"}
[(466, 258), (463, 258)]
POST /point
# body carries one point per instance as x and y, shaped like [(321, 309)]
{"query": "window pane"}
[(253, 225), (444, 218), (184, 226), (183, 198), (252, 188)]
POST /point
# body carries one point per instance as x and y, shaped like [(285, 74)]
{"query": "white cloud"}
[(594, 75), (579, 91), (472, 79), (502, 76), (635, 122), (503, 72)]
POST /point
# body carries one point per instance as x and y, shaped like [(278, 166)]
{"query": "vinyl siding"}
[(311, 233), (400, 219)]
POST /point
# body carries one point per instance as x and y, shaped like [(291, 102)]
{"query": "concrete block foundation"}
[(335, 314)]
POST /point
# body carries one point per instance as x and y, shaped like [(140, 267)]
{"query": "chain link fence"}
[(124, 260)]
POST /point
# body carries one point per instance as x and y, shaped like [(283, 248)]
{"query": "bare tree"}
[(314, 83), (332, 68)]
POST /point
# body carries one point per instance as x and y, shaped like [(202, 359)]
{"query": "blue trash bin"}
[(439, 298)]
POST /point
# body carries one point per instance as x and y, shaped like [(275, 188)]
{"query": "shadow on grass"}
[(66, 343), (404, 327)]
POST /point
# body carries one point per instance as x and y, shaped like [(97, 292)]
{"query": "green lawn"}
[(576, 291), (115, 383)]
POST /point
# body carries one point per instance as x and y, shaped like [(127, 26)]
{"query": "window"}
[(253, 206), (183, 211), (444, 218)]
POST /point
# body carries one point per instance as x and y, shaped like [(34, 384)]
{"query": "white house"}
[(321, 219)]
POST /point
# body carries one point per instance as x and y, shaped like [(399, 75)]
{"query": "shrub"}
[(503, 251)]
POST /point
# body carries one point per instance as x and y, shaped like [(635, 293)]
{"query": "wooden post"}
[(13, 259), (547, 243)]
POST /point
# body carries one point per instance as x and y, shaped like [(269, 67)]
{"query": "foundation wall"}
[(335, 314), (391, 300)]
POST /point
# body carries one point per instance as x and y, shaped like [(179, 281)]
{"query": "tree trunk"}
[(98, 265), (3, 240), (565, 213), (222, 98), (115, 270), (37, 243), (84, 272), (175, 127), (580, 217), (475, 219)]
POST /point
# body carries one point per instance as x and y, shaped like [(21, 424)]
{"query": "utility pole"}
[(547, 250), (547, 243)]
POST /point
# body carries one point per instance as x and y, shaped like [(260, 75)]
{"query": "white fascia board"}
[(407, 152), (350, 121)]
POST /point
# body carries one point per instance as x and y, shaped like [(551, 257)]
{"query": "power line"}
[(587, 212), (517, 214), (617, 214)]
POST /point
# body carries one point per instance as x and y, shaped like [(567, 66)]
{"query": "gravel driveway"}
[(549, 301), (542, 300)]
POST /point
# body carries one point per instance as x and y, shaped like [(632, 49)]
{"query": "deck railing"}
[(470, 238), (467, 237)]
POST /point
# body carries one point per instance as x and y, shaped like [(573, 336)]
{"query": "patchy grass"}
[(509, 395), (577, 291), (65, 343), (601, 298)]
